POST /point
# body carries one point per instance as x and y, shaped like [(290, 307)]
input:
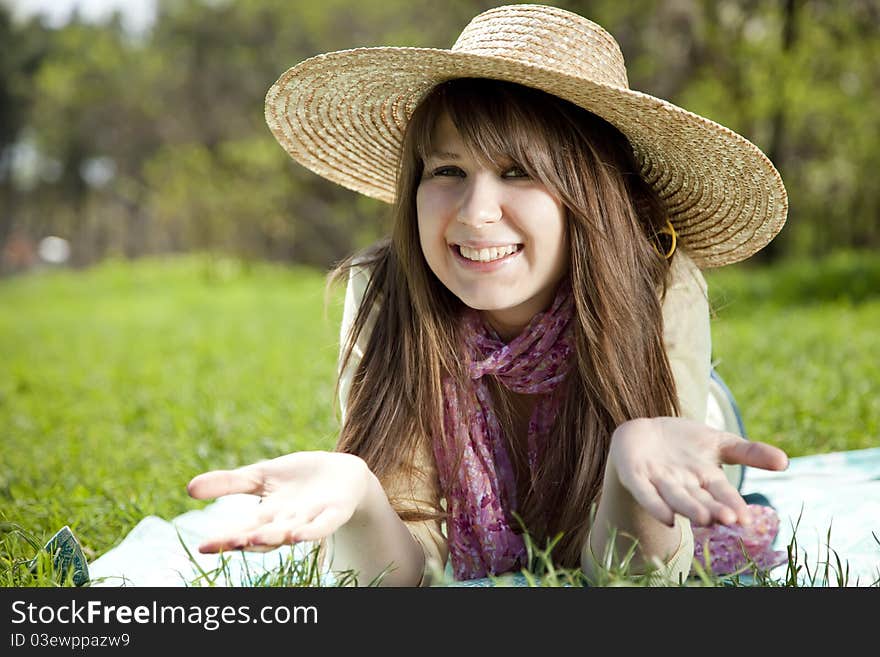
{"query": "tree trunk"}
[(776, 151)]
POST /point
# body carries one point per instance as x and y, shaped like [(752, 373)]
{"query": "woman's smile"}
[(486, 259)]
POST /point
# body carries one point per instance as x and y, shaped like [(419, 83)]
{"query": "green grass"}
[(121, 382), (797, 344)]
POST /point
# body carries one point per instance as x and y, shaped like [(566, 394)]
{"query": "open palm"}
[(305, 496), (671, 465)]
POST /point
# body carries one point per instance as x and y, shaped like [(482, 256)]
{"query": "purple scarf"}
[(481, 493)]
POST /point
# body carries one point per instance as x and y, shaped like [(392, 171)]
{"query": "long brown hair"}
[(614, 226)]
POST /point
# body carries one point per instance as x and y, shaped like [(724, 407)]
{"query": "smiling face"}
[(495, 237)]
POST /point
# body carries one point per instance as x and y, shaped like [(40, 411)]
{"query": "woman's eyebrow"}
[(446, 155)]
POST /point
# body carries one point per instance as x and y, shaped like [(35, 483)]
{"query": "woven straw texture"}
[(343, 115)]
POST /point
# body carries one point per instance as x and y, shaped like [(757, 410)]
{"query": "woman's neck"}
[(510, 322), (506, 323)]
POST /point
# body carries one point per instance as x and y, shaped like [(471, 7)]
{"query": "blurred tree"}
[(22, 48), (159, 143), (806, 105), (94, 112)]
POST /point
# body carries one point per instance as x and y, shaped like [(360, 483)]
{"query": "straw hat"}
[(343, 116)]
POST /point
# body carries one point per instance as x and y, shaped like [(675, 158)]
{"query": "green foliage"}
[(844, 277), (179, 114), (208, 199)]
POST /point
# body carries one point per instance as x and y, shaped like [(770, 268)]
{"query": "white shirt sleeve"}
[(358, 278), (687, 335)]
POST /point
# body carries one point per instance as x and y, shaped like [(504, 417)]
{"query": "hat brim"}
[(343, 115)]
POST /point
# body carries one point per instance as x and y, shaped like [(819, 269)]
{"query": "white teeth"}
[(487, 255)]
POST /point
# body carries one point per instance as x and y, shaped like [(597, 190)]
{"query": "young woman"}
[(532, 341)]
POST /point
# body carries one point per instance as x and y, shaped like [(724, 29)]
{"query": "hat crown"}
[(548, 37)]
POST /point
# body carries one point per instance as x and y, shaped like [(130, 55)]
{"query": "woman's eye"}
[(518, 171), (446, 171)]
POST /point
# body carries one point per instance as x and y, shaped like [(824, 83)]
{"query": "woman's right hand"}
[(306, 496)]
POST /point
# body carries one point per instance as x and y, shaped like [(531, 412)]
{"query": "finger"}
[(239, 537), (234, 540), (737, 450), (259, 548), (275, 534), (644, 492), (719, 511), (721, 490), (247, 479), (682, 502), (324, 524)]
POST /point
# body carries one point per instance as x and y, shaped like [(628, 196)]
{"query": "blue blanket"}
[(836, 496)]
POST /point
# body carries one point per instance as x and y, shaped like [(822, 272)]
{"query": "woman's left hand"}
[(672, 465)]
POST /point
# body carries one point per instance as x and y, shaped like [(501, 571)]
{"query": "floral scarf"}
[(481, 492)]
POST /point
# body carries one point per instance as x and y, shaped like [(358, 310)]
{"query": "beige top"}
[(686, 334)]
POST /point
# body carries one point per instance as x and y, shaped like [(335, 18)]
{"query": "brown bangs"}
[(497, 121)]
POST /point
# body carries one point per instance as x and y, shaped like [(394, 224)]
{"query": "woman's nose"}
[(481, 202)]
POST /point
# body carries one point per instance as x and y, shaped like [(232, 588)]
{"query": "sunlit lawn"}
[(798, 346), (119, 383)]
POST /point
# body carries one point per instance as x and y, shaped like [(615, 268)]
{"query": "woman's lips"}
[(474, 265)]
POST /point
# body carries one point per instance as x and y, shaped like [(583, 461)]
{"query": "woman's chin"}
[(489, 303)]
